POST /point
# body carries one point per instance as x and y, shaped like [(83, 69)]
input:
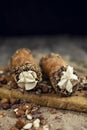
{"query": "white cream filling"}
[(66, 79), (27, 80)]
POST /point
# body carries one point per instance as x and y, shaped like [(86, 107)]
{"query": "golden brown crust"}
[(52, 63), (21, 57)]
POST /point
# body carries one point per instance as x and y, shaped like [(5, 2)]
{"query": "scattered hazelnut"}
[(27, 126), (3, 80), (29, 117), (20, 123), (26, 106), (16, 109), (4, 100), (6, 106), (13, 85), (13, 101), (13, 128), (19, 113), (45, 127), (5, 103), (27, 112), (53, 111), (36, 123), (34, 109), (42, 122)]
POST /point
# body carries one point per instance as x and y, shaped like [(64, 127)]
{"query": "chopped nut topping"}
[(20, 123), (27, 126), (16, 109), (29, 117), (45, 127), (27, 79), (36, 123), (67, 78)]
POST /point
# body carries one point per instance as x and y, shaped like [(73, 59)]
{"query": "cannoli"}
[(24, 69), (63, 77)]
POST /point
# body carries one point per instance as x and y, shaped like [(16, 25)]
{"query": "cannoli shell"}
[(52, 63), (21, 57)]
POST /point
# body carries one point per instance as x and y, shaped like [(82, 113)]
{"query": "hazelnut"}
[(19, 113), (26, 106), (53, 111), (13, 101), (5, 106), (29, 117), (4, 100), (13, 85), (35, 108), (36, 123), (42, 122), (13, 128), (3, 80), (20, 123), (45, 127), (28, 126)]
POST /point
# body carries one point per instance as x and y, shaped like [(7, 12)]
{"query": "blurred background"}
[(44, 27)]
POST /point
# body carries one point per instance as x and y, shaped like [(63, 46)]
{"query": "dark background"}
[(44, 27), (27, 17)]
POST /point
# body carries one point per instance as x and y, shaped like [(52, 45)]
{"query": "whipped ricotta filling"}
[(27, 80), (67, 78)]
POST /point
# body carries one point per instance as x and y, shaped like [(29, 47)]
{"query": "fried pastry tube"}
[(62, 76), (24, 69)]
